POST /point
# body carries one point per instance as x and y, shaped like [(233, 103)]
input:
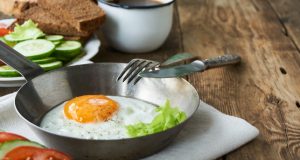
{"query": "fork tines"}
[(134, 67)]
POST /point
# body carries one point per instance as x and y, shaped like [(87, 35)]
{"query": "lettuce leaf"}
[(28, 30), (168, 117)]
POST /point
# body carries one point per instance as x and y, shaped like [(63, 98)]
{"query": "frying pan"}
[(43, 91)]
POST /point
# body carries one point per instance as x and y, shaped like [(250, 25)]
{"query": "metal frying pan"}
[(43, 91)]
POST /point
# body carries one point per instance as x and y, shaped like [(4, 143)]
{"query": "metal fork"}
[(135, 66)]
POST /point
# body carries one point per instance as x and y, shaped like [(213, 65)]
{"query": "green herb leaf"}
[(28, 30), (168, 117)]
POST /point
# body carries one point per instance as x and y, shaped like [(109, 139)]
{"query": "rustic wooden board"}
[(256, 90), (288, 13)]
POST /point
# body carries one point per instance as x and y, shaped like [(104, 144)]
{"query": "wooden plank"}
[(4, 91), (256, 90), (288, 13)]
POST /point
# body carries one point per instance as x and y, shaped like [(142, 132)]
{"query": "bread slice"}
[(11, 7), (83, 14), (49, 23)]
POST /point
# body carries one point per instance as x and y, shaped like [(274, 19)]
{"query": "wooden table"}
[(264, 89)]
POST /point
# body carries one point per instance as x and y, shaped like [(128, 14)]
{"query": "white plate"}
[(91, 48)]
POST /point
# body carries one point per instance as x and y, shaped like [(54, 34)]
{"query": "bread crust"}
[(49, 23), (83, 14), (12, 7), (52, 16)]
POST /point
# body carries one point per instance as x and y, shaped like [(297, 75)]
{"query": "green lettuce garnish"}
[(167, 117), (28, 30)]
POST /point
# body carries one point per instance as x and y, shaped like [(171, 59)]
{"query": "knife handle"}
[(221, 61)]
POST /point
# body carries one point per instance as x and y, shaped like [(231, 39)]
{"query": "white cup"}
[(137, 29)]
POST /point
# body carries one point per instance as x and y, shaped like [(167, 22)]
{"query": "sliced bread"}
[(83, 14), (11, 7), (49, 23)]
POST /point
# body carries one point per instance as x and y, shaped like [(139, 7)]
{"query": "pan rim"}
[(103, 140)]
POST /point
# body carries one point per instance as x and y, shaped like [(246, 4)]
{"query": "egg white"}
[(131, 111)]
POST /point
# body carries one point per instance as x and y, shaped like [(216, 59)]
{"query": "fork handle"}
[(221, 61)]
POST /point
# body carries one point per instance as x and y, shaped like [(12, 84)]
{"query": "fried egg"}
[(98, 116)]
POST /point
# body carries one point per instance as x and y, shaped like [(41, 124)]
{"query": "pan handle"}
[(17, 61)]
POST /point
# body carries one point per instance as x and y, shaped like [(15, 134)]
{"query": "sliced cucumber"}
[(11, 38), (7, 71), (35, 49), (52, 65), (2, 39), (6, 42), (68, 49), (10, 145), (64, 57), (54, 38), (44, 60), (56, 43)]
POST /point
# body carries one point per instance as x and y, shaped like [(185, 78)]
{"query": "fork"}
[(135, 66)]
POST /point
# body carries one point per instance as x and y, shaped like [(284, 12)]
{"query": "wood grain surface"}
[(264, 89)]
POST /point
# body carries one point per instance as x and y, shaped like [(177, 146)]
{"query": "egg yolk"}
[(90, 108)]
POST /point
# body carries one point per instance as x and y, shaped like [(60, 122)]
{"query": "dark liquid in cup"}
[(138, 2)]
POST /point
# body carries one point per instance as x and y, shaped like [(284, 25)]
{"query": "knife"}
[(178, 59), (195, 66)]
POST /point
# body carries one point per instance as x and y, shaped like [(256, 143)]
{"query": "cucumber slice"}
[(52, 65), (2, 39), (35, 49), (10, 145), (68, 49), (7, 71), (44, 60), (64, 57), (6, 42), (75, 59), (56, 43), (10, 38), (54, 38)]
